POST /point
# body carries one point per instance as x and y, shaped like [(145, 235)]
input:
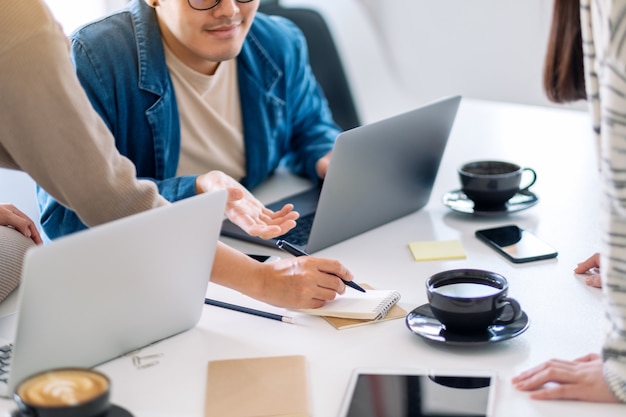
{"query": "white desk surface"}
[(566, 315)]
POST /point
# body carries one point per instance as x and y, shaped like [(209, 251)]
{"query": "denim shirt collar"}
[(153, 73), (257, 63)]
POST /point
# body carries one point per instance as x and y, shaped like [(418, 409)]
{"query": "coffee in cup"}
[(471, 300), (64, 392), (490, 184)]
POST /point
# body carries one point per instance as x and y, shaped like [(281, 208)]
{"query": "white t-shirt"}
[(211, 129)]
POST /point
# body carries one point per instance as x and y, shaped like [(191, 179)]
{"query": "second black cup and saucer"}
[(458, 201), (467, 307), (492, 188), (423, 323)]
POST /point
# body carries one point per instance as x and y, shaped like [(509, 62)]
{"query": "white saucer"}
[(457, 201), (422, 322)]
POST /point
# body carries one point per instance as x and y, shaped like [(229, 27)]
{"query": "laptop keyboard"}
[(6, 353), (299, 235)]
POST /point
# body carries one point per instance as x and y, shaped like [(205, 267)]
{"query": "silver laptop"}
[(378, 173), (100, 293)]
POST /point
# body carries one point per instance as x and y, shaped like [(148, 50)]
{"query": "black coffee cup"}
[(490, 184), (471, 300), (64, 392)]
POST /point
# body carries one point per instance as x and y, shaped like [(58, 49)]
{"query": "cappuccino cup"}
[(490, 184), (64, 392), (471, 300)]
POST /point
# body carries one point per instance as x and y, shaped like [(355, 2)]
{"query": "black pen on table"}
[(284, 319), (289, 248)]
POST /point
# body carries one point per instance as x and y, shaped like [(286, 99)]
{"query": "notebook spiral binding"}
[(386, 304)]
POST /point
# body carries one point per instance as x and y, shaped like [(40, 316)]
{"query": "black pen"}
[(252, 311), (289, 248)]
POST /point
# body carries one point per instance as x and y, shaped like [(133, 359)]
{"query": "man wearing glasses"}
[(200, 94)]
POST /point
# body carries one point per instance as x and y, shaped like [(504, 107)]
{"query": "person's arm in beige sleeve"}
[(62, 144)]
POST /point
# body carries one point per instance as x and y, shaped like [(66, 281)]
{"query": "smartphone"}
[(516, 244), (415, 393), (264, 258)]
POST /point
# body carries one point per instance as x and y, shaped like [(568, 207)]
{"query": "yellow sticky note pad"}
[(437, 250)]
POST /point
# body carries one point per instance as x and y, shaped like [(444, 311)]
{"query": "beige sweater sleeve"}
[(48, 127)]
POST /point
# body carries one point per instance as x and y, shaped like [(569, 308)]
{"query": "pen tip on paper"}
[(288, 320)]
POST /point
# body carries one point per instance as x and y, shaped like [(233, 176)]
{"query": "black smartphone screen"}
[(516, 244)]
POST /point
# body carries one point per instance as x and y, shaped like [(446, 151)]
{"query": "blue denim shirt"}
[(121, 64)]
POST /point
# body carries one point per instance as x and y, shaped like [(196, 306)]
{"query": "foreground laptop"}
[(106, 291), (378, 173)]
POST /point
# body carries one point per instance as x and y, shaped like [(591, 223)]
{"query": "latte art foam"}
[(63, 388)]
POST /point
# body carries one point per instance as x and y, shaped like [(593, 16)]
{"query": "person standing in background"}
[(587, 59)]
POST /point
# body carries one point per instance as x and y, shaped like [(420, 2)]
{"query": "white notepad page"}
[(354, 304)]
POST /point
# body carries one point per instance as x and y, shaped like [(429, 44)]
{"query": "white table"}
[(566, 315)]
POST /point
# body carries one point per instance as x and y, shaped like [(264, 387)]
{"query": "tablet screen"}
[(384, 394)]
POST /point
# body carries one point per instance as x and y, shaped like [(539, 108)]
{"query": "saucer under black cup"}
[(423, 323), (459, 202)]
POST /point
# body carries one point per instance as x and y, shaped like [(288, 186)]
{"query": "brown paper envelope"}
[(258, 387)]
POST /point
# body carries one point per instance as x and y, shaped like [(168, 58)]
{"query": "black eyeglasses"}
[(208, 4)]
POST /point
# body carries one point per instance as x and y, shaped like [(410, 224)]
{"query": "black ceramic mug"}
[(490, 184), (471, 300)]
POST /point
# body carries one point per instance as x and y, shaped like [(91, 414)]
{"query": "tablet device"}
[(419, 393)]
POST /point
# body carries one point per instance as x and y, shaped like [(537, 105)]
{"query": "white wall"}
[(491, 49), (404, 52)]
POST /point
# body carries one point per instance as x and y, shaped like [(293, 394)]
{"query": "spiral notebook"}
[(340, 323), (372, 305)]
